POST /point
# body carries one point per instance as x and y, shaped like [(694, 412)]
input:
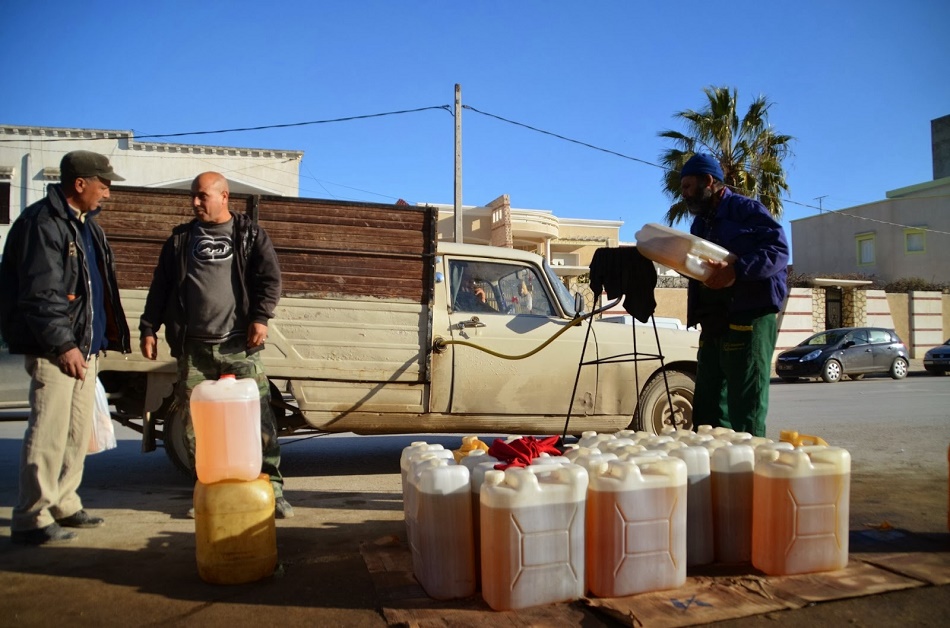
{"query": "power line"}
[(566, 139), (113, 136), (448, 109)]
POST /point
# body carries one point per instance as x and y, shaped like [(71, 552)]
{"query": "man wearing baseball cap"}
[(736, 307), (59, 307)]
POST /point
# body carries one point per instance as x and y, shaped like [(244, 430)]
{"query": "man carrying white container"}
[(736, 306)]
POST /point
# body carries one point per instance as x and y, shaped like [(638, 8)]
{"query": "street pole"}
[(458, 163)]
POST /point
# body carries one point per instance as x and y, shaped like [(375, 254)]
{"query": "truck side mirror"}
[(578, 304)]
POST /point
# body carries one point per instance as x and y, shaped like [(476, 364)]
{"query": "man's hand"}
[(73, 364), (149, 347), (256, 335), (479, 293), (723, 276)]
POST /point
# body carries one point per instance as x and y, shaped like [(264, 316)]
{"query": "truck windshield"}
[(564, 296)]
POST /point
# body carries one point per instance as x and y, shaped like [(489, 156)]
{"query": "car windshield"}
[(824, 339), (564, 295)]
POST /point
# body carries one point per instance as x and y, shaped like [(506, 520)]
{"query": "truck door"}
[(505, 307)]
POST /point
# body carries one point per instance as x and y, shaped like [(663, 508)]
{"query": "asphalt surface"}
[(139, 569)]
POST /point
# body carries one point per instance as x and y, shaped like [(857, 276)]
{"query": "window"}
[(879, 336), (488, 287), (865, 243), (4, 203), (914, 241), (858, 337)]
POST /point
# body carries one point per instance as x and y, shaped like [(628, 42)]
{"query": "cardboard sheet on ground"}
[(703, 599)]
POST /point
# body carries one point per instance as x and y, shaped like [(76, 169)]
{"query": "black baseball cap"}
[(80, 164)]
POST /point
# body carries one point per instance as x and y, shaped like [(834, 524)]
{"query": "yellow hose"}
[(439, 342)]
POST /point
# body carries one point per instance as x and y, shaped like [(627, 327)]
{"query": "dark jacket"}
[(744, 226), (255, 263), (46, 307)]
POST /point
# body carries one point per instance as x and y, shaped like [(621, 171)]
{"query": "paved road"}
[(139, 569)]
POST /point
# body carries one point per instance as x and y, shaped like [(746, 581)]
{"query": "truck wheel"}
[(175, 441), (654, 411)]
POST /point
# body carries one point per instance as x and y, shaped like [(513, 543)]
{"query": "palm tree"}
[(748, 150)]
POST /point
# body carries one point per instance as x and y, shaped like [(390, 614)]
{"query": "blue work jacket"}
[(744, 226)]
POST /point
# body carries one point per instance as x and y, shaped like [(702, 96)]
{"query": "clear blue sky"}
[(857, 84)]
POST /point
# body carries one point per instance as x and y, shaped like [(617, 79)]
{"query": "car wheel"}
[(831, 371), (899, 368), (654, 411), (856, 377), (789, 380)]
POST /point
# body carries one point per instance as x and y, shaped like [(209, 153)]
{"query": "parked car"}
[(852, 351), (937, 360)]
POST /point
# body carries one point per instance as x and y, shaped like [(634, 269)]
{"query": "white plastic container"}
[(479, 463), (415, 447), (226, 415), (681, 251), (532, 521), (731, 469), (636, 526), (410, 502), (442, 545), (593, 439), (800, 509), (700, 548)]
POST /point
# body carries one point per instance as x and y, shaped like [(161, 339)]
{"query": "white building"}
[(30, 156)]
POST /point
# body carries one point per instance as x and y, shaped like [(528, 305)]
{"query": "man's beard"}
[(701, 205)]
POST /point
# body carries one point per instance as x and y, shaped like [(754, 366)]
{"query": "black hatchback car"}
[(852, 351)]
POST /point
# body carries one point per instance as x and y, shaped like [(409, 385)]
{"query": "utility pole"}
[(818, 198), (458, 163)]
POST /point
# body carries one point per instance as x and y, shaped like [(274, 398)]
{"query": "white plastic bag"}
[(103, 432)]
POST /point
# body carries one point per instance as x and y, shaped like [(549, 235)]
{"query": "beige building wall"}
[(829, 243), (567, 243), (900, 312), (671, 303), (30, 156)]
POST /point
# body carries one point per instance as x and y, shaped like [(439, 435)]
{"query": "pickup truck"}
[(383, 329)]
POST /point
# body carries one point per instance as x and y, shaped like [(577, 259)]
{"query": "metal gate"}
[(832, 308)]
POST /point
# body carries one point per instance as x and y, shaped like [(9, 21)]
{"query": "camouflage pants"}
[(203, 361)]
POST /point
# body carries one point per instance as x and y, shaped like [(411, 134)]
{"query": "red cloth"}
[(520, 453)]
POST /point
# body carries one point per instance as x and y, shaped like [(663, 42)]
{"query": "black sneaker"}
[(51, 534), (283, 509), (81, 519)]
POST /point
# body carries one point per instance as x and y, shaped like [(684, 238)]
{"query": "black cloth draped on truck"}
[(624, 271)]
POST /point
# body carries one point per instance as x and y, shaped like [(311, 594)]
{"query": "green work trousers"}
[(733, 374), (202, 361)]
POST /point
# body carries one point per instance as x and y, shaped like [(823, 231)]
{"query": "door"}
[(883, 349), (832, 308), (858, 358), (506, 308)]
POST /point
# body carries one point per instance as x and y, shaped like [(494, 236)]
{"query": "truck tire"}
[(653, 410), (175, 441)]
